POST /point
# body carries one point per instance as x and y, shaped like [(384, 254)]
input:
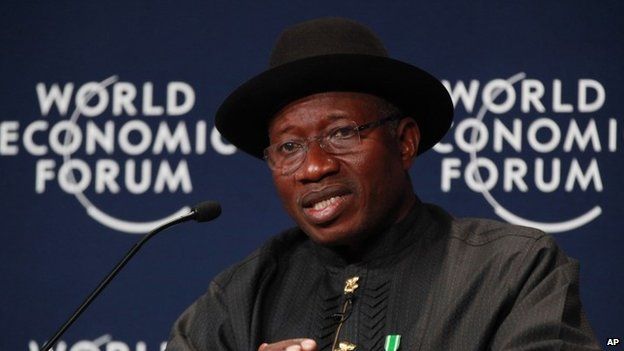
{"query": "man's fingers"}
[(290, 345), (308, 345)]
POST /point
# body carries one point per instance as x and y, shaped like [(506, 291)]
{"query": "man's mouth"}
[(321, 205), (325, 205)]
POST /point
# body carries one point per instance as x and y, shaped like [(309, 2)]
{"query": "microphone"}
[(202, 212), (206, 211)]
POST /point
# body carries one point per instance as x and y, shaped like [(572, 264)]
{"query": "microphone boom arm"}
[(202, 212)]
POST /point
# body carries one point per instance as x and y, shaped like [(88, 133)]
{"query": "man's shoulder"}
[(263, 260), (481, 234), (510, 253), (484, 232)]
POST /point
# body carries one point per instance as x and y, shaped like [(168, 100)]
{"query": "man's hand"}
[(290, 345)]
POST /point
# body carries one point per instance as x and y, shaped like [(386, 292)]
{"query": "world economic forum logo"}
[(529, 137), (102, 128)]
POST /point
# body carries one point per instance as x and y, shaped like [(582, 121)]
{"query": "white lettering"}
[(583, 105), (179, 138), (44, 171), (450, 170), (175, 109), (582, 140), (124, 94), (66, 178), (72, 134), (200, 137), (481, 137), (443, 148), (219, 145), (492, 90), (116, 346), (29, 143), (85, 94), (54, 96), (107, 171), (173, 180), (145, 139), (8, 136), (104, 139), (459, 92), (576, 175), (555, 179), (515, 170), (473, 178), (555, 135), (558, 105), (612, 134), (85, 345), (514, 139), (149, 109), (532, 93), (34, 346), (146, 176)]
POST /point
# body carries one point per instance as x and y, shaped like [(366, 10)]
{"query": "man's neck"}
[(356, 251)]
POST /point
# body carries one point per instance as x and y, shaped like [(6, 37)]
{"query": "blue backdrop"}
[(106, 126)]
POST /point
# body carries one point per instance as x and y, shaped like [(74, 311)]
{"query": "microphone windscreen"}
[(206, 211)]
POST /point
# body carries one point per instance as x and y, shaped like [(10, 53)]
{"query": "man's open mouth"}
[(326, 204)]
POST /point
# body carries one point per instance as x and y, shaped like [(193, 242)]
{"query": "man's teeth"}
[(323, 204)]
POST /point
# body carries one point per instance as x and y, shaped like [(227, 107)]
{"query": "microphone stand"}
[(52, 341)]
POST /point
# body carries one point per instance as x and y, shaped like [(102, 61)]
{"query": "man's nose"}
[(317, 165)]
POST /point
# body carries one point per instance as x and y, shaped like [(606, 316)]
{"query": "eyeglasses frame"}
[(319, 138)]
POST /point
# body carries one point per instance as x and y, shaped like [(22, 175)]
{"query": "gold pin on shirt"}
[(345, 346), (351, 285)]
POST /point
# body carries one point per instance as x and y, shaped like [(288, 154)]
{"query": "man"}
[(369, 266)]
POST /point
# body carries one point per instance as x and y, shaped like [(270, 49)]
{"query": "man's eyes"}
[(342, 132), (339, 133), (289, 147)]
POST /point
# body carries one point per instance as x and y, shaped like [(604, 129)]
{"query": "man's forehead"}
[(329, 106)]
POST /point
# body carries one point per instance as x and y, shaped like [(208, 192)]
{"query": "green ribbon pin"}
[(392, 342)]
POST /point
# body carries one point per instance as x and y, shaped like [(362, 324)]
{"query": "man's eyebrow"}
[(284, 130), (334, 116)]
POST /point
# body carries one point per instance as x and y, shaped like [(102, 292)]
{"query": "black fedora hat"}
[(331, 54)]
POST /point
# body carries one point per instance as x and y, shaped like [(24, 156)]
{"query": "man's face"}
[(342, 199)]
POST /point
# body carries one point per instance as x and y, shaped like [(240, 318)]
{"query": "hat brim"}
[(244, 116)]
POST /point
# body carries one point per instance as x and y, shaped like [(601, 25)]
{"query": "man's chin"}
[(330, 236)]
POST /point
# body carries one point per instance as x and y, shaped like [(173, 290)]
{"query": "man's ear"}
[(408, 136)]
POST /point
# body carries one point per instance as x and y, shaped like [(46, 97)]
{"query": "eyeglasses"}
[(288, 156)]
